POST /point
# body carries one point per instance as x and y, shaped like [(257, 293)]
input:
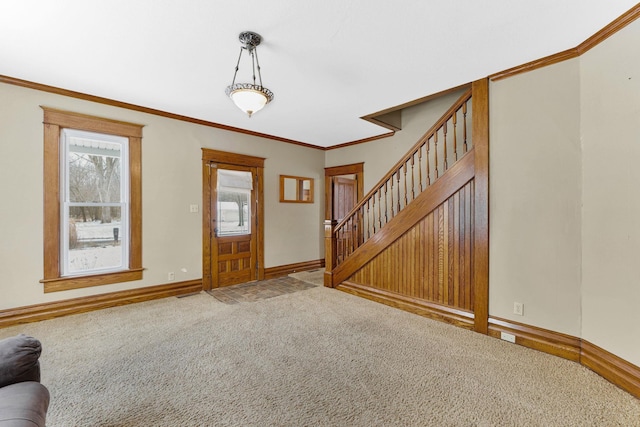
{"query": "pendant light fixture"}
[(249, 97)]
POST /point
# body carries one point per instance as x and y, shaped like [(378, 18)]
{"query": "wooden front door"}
[(233, 219)]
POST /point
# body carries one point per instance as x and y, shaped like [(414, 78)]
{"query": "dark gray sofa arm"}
[(19, 360)]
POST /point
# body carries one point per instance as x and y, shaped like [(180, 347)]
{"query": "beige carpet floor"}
[(316, 357), (313, 276)]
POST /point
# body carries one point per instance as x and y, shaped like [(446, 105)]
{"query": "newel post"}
[(329, 251)]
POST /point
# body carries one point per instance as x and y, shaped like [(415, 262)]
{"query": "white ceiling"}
[(328, 62)]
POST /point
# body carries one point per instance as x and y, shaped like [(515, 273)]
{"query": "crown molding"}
[(114, 103), (615, 26)]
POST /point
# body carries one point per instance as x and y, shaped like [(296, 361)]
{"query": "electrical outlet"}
[(518, 308), (171, 276), (508, 337)]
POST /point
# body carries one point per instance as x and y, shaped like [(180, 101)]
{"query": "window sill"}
[(77, 282)]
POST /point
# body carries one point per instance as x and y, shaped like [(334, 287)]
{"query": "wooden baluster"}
[(373, 214), (372, 225), (464, 123), (340, 242), (398, 182), (420, 167), (354, 230), (406, 202), (445, 154), (379, 208), (345, 241), (435, 151), (391, 197), (455, 137), (365, 223), (428, 155), (360, 227), (413, 185), (386, 204), (345, 248), (352, 242)]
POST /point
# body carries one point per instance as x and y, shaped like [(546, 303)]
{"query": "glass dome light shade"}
[(249, 98)]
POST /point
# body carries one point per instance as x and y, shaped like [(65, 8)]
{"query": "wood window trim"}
[(299, 198), (54, 121)]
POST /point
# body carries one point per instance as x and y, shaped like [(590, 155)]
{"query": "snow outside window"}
[(94, 203)]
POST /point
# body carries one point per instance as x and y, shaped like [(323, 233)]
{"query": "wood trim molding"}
[(615, 26), (618, 24), (538, 63), (480, 134), (450, 315), (54, 120), (378, 117), (226, 157), (391, 120), (565, 346), (360, 141), (283, 270), (73, 120), (615, 369), (35, 313), (355, 169), (133, 107), (72, 282), (611, 367), (256, 164)]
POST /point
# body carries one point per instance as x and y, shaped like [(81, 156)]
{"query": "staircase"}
[(419, 239)]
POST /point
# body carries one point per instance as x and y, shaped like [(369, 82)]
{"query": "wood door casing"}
[(356, 169), (225, 259)]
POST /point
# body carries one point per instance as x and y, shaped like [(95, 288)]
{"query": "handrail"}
[(398, 187)]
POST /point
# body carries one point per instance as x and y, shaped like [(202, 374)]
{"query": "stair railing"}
[(443, 145)]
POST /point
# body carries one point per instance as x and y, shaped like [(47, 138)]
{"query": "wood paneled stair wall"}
[(419, 239)]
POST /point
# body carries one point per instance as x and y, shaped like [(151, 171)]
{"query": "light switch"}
[(193, 208)]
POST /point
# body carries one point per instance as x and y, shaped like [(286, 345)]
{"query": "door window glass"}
[(234, 202)]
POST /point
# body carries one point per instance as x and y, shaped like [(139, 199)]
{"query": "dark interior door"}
[(344, 199)]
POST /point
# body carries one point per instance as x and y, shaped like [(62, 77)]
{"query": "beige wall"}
[(171, 181), (610, 107), (535, 174), (379, 156), (565, 209)]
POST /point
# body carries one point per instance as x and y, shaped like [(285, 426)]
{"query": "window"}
[(95, 202), (296, 189), (234, 202), (92, 201)]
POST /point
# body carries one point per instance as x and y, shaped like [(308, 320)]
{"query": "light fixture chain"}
[(253, 64), (237, 68), (259, 72)]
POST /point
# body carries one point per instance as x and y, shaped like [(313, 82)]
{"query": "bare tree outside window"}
[(233, 196), (94, 204)]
